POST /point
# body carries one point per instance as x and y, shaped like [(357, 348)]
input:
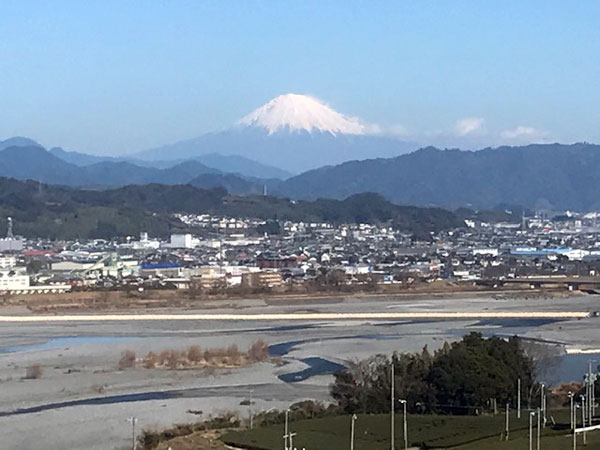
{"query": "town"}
[(239, 256)]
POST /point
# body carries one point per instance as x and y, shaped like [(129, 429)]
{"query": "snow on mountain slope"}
[(295, 112), (292, 132)]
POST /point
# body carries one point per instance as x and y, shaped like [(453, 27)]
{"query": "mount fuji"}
[(292, 132)]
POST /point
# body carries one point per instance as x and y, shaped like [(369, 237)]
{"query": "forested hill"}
[(42, 210), (551, 176)]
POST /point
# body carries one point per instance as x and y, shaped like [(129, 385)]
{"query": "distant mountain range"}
[(333, 156), (59, 167), (293, 132), (18, 141), (36, 163), (222, 163), (550, 176)]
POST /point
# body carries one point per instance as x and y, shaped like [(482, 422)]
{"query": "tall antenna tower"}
[(9, 233)]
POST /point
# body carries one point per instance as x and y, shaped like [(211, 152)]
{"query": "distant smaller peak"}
[(18, 141)]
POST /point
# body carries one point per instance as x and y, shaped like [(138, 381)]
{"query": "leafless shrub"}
[(151, 360), (209, 354), (232, 350), (127, 360), (163, 357), (259, 351), (99, 388), (234, 356), (33, 372), (278, 361), (194, 354), (173, 360)]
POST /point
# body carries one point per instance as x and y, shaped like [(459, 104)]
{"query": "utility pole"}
[(538, 429), (405, 425), (519, 398), (285, 434), (507, 427), (352, 431), (392, 408)]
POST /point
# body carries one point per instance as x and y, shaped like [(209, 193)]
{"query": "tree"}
[(459, 378), (477, 369)]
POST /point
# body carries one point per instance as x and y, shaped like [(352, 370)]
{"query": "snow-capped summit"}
[(292, 132), (296, 112)]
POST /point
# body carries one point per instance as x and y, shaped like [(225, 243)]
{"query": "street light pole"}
[(583, 419), (291, 436), (405, 424), (250, 409), (531, 414), (538, 429), (133, 422), (574, 418), (572, 403), (591, 384), (593, 397), (543, 403), (507, 427), (352, 432), (392, 408), (285, 434), (519, 398)]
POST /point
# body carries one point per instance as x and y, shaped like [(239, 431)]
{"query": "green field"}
[(557, 441), (373, 433)]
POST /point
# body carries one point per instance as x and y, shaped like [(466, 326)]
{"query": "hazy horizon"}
[(113, 78)]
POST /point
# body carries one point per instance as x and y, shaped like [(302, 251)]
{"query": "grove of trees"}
[(460, 378)]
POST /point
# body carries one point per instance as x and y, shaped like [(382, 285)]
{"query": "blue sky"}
[(115, 77)]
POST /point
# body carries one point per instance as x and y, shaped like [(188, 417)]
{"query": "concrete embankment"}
[(450, 315)]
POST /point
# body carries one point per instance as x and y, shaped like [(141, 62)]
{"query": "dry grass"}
[(172, 438), (195, 357)]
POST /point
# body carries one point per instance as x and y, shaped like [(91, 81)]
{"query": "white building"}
[(15, 281), (182, 241), (11, 244), (7, 262), (11, 280), (486, 251), (145, 242)]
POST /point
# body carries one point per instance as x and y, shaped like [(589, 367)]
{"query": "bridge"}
[(573, 283)]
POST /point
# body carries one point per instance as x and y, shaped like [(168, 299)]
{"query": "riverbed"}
[(83, 401)]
